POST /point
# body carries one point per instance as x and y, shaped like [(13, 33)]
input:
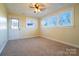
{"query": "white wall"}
[(3, 32), (65, 35), (22, 32)]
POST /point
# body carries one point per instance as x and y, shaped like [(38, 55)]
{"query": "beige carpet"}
[(37, 47)]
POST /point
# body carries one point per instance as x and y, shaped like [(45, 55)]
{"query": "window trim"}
[(18, 23)]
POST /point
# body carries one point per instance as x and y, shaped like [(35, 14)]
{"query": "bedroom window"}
[(30, 24), (49, 22), (53, 21), (65, 19), (14, 24)]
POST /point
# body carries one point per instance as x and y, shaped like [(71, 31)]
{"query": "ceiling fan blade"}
[(41, 5), (42, 9), (38, 7), (31, 6)]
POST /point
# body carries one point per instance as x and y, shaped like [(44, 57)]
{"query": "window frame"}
[(71, 10), (71, 19), (30, 20), (17, 23)]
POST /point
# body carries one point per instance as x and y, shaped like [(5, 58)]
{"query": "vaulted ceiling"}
[(23, 8)]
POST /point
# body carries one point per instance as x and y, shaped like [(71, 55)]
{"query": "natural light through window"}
[(63, 19), (30, 24), (14, 24), (49, 22)]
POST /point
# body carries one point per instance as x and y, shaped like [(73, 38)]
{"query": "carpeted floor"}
[(37, 47)]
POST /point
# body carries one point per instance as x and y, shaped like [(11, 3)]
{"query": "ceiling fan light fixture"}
[(37, 7), (37, 10)]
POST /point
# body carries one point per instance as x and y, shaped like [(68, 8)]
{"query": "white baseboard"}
[(67, 43), (3, 46), (22, 38)]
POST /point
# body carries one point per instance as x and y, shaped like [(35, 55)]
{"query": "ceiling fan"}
[(38, 7)]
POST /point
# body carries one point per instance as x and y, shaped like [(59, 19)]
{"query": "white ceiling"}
[(23, 8)]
